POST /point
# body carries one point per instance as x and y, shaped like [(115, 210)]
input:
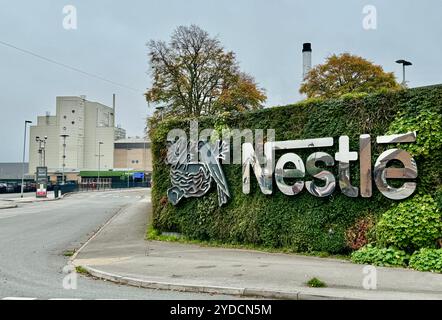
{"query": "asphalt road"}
[(34, 238)]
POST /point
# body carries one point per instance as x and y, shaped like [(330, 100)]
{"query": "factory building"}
[(73, 139)]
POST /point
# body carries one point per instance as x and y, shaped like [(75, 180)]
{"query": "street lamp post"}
[(404, 63), (42, 153), (42, 150), (64, 136), (99, 163), (24, 156)]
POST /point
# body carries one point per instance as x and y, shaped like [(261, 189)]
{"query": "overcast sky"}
[(267, 36)]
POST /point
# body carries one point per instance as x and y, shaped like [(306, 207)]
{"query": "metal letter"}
[(365, 166), (318, 173), (382, 173), (303, 144), (281, 173), (397, 138), (344, 156), (263, 172)]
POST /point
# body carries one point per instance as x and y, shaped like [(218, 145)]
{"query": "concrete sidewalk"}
[(118, 253)]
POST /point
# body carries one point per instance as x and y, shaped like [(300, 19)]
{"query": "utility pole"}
[(24, 156), (64, 136), (99, 163)]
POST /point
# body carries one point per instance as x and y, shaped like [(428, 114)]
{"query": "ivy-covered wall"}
[(305, 223)]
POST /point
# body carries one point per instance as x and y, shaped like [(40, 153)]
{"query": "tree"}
[(193, 75), (346, 73)]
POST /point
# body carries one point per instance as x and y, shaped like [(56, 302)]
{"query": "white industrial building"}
[(86, 123)]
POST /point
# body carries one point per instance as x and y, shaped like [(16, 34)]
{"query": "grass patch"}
[(81, 270), (316, 283), (69, 253), (155, 235)]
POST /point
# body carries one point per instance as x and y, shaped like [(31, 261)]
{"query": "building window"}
[(64, 128), (137, 161), (73, 122), (64, 117), (73, 111)]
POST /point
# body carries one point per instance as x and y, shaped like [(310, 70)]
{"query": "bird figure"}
[(191, 178)]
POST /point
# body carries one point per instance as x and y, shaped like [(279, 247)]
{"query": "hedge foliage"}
[(427, 260), (382, 257), (303, 223), (413, 224)]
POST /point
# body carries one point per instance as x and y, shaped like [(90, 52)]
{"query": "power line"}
[(67, 66)]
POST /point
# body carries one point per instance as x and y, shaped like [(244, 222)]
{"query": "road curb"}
[(192, 288), (36, 201), (10, 206), (20, 201)]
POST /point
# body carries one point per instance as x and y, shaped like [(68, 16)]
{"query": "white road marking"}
[(18, 298), (56, 299)]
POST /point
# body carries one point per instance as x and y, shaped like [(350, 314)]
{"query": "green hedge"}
[(412, 224), (303, 222), (427, 260), (382, 257)]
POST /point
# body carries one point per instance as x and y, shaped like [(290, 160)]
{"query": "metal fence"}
[(86, 186)]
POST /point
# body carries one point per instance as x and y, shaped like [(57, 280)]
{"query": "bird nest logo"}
[(193, 167)]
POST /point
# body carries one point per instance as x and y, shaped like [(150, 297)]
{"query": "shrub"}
[(413, 224), (359, 234), (427, 260), (316, 283), (438, 199), (382, 257)]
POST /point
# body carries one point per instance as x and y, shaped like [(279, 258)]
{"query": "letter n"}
[(263, 173)]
